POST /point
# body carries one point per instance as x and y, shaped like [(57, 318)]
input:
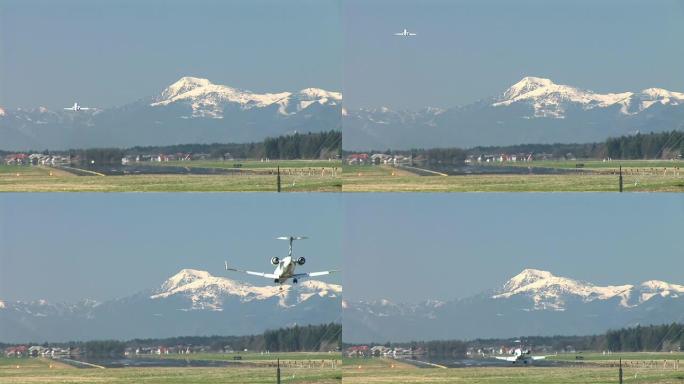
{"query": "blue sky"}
[(472, 49), (65, 247), (108, 53), (413, 247)]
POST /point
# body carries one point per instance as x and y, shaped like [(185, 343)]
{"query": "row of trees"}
[(320, 145), (653, 338), (308, 338), (664, 145), (304, 146), (650, 338), (324, 337)]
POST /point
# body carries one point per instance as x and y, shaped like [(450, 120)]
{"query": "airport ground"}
[(637, 368), (295, 368), (594, 176), (296, 176)]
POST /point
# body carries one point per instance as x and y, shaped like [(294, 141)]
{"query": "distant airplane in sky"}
[(405, 33), (77, 107)]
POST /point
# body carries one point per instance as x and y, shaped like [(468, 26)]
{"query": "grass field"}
[(296, 176), (644, 176), (49, 371), (391, 371)]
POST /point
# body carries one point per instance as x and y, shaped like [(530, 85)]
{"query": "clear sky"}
[(413, 247), (108, 53), (467, 50), (65, 247)]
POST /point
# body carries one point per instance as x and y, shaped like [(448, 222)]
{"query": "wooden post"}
[(621, 178), (620, 375), (278, 181), (278, 369)]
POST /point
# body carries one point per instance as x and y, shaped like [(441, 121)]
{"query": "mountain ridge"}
[(197, 302), (533, 302), (189, 110), (533, 110)]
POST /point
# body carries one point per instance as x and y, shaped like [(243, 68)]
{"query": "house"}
[(380, 158), (16, 351), (379, 350), (358, 351), (357, 159), (17, 159)]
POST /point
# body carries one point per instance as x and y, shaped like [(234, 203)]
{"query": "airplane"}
[(404, 33), (522, 356), (77, 107), (285, 267)]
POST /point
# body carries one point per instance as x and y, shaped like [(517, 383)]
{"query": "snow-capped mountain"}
[(210, 100), (191, 302), (191, 110), (551, 100), (533, 110), (534, 302)]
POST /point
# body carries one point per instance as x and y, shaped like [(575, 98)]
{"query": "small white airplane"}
[(522, 356), (77, 107), (404, 33), (285, 267)]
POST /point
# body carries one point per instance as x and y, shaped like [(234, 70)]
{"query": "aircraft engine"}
[(275, 261), (301, 261)]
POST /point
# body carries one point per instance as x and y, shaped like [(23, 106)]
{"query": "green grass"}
[(390, 371), (595, 164), (42, 179), (625, 356), (47, 371), (382, 179)]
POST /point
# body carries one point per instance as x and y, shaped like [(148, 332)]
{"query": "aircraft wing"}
[(411, 34), (538, 357), (399, 34), (312, 274), (267, 275), (506, 358), (85, 108)]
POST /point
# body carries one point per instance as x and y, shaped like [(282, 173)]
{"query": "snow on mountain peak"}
[(185, 276), (208, 100), (653, 288), (208, 292), (525, 85), (551, 292), (552, 100), (183, 85)]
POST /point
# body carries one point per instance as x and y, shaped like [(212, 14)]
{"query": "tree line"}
[(318, 145), (664, 145), (309, 338), (651, 338)]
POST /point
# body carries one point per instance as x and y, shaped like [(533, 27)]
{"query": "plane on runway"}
[(521, 356), (285, 267), (404, 33), (77, 107)]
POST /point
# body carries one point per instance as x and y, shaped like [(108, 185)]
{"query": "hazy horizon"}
[(468, 50), (107, 246), (105, 54), (455, 248)]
